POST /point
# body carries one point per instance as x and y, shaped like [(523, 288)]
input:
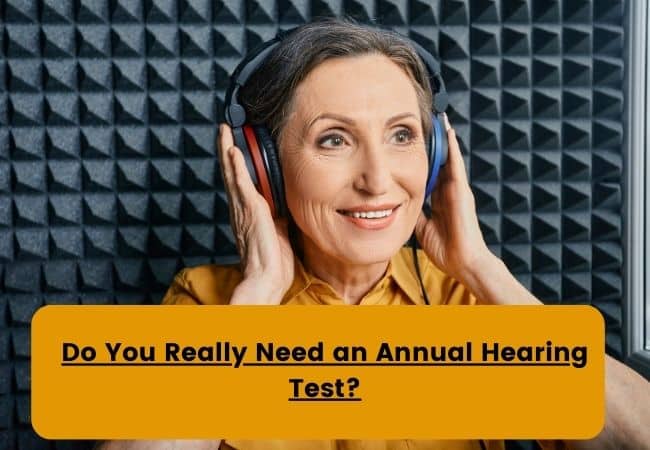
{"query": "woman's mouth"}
[(370, 218)]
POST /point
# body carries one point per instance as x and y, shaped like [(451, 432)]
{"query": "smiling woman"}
[(355, 179), (349, 110)]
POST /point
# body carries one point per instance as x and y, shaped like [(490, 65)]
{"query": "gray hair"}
[(268, 94)]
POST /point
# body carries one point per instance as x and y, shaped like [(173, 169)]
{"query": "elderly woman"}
[(349, 108)]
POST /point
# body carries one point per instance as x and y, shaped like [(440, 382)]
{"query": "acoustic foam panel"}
[(109, 182)]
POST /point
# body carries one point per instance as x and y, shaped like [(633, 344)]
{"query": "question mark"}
[(353, 382)]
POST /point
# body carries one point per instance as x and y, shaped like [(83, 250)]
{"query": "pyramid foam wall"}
[(109, 182)]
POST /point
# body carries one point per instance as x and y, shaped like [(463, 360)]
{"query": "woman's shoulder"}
[(208, 284)]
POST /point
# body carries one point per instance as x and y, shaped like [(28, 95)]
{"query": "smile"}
[(369, 214), (371, 218)]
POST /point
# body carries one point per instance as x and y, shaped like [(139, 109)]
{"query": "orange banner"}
[(296, 372)]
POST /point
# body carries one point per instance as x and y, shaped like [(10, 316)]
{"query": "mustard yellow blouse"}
[(213, 285)]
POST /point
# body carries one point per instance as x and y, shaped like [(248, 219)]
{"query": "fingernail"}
[(447, 124)]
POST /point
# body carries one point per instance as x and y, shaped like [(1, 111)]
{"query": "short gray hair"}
[(268, 94)]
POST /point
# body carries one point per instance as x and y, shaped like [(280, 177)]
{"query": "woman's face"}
[(354, 159)]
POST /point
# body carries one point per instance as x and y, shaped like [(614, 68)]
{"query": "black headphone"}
[(261, 154)]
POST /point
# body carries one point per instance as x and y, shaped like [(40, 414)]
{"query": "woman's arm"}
[(627, 394), (266, 262), (452, 239)]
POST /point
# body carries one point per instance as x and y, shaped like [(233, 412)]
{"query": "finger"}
[(225, 136), (246, 190), (238, 214), (225, 142), (455, 160), (234, 204), (225, 165), (235, 168), (447, 124)]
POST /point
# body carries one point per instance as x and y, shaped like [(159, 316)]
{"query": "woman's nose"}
[(374, 174)]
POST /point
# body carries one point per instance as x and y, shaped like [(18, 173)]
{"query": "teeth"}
[(370, 214)]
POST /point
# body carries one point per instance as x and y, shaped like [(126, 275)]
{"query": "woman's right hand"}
[(267, 259)]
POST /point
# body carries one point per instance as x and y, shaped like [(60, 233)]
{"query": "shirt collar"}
[(400, 269), (404, 273)]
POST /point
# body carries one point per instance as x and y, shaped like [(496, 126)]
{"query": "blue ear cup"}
[(438, 150)]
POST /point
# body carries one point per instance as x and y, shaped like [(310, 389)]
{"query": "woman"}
[(349, 108)]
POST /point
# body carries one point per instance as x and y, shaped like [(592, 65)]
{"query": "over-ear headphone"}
[(261, 154)]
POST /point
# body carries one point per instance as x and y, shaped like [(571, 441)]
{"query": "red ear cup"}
[(263, 186)]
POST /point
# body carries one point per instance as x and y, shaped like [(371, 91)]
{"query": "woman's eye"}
[(404, 136), (331, 140)]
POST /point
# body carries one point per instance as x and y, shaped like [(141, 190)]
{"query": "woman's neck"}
[(350, 281)]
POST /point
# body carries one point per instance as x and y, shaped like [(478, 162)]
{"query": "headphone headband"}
[(259, 149), (236, 114), (440, 98)]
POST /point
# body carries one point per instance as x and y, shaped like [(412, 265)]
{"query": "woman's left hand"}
[(452, 238)]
